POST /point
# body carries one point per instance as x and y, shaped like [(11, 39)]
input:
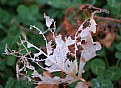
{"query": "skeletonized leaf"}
[(81, 68), (49, 48), (93, 24), (69, 41), (58, 61), (29, 66), (72, 68), (37, 54), (81, 85), (56, 58), (97, 45), (70, 79), (29, 45), (49, 20)]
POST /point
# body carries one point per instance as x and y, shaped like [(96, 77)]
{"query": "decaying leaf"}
[(56, 58), (49, 20), (45, 73), (81, 85), (107, 41)]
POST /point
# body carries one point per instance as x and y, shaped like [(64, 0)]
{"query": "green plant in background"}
[(17, 15)]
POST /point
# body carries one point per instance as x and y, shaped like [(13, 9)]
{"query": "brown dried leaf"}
[(45, 73), (81, 85), (47, 86), (107, 41)]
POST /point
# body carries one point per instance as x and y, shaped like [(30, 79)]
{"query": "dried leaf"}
[(92, 24), (29, 45), (56, 58), (49, 20), (107, 41), (81, 85), (49, 48)]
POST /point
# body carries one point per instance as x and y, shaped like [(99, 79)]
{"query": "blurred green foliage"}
[(17, 15)]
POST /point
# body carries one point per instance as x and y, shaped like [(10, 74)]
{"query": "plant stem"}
[(105, 57)]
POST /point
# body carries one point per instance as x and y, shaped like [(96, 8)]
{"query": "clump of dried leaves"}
[(56, 55)]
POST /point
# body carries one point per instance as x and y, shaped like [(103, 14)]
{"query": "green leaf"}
[(10, 83), (17, 84), (118, 55), (103, 83), (118, 46), (114, 7), (26, 84), (10, 60), (87, 66), (22, 10), (41, 2), (63, 4), (98, 66), (4, 16), (27, 14), (101, 52), (106, 83), (113, 73), (89, 2), (73, 85), (96, 83), (118, 37), (1, 86), (2, 65), (33, 9)]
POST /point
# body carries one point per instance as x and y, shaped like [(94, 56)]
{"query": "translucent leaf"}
[(70, 79), (72, 68), (29, 45), (29, 66), (49, 48), (49, 80), (85, 33), (46, 79), (59, 61), (93, 24), (97, 45), (49, 20), (69, 41), (37, 54), (81, 68), (89, 52), (81, 85)]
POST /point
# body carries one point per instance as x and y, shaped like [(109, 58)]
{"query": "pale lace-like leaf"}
[(37, 54), (59, 61), (49, 48), (85, 32), (46, 79), (88, 52), (97, 45), (29, 66), (69, 41), (49, 20), (93, 24), (72, 68), (81, 68), (81, 85), (70, 79), (56, 57), (29, 45)]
